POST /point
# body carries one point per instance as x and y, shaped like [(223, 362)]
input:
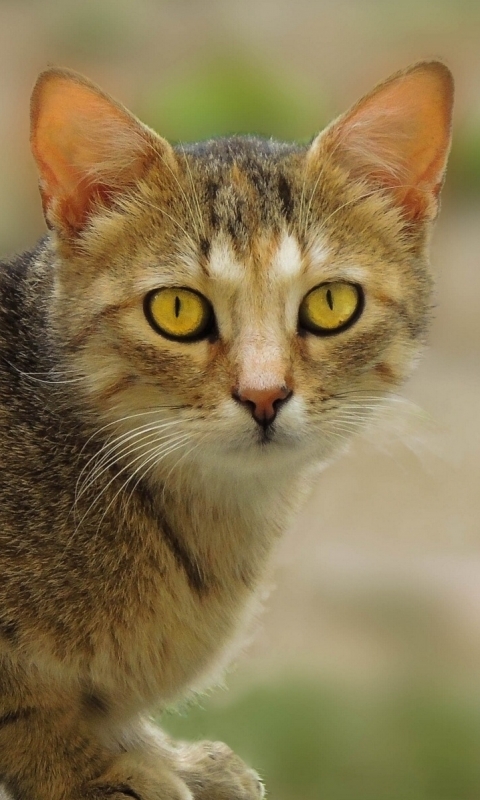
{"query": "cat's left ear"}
[(88, 148), (398, 138)]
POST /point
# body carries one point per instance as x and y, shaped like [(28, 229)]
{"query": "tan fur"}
[(140, 498)]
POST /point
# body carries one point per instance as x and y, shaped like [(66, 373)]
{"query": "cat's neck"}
[(230, 518)]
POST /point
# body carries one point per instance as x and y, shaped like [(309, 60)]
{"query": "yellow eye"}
[(331, 307), (178, 313)]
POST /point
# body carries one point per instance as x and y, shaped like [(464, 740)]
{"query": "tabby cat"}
[(195, 337)]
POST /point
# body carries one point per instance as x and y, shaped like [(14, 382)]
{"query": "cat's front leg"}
[(58, 754), (211, 770)]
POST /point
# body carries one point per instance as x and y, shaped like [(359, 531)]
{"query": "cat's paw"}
[(213, 772)]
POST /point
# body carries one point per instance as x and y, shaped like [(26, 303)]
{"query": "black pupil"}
[(178, 305), (330, 299)]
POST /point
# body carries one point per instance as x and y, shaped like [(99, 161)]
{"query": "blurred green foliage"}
[(310, 741), (464, 167), (231, 94), (92, 30)]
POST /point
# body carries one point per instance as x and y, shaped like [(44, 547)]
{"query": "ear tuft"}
[(88, 148), (398, 137)]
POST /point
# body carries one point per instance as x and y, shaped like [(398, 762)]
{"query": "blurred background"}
[(363, 680)]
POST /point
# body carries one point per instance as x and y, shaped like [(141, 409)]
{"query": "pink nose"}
[(263, 403)]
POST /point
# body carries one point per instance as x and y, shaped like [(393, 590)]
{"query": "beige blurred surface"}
[(381, 574)]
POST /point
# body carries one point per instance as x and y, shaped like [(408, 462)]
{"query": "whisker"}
[(194, 191), (118, 448), (172, 219), (199, 441), (152, 466), (182, 190), (101, 470), (307, 213), (130, 417), (353, 200), (155, 457), (302, 196), (33, 376), (120, 472), (110, 447)]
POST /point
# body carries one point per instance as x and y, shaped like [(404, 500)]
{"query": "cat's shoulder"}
[(21, 279), (16, 267)]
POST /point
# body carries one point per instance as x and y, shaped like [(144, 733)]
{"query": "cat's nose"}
[(263, 403)]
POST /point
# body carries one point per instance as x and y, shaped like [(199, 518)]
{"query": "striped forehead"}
[(282, 259)]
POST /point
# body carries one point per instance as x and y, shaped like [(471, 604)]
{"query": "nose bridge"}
[(261, 359), (261, 354), (262, 381)]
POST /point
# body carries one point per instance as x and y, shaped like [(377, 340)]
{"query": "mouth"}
[(266, 435), (268, 439)]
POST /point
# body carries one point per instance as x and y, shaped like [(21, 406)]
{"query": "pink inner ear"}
[(86, 147), (399, 136)]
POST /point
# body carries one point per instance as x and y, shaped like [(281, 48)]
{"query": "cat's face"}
[(242, 301)]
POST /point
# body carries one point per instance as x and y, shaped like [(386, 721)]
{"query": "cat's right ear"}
[(88, 148), (397, 138)]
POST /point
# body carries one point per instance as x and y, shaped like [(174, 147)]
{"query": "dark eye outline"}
[(209, 329), (309, 327)]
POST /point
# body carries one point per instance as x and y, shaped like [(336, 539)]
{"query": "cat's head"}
[(240, 300)]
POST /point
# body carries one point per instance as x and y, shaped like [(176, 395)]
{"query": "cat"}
[(200, 331)]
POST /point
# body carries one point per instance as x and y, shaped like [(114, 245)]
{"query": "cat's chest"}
[(182, 606), (187, 638)]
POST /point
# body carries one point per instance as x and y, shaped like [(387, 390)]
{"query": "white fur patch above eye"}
[(222, 263), (287, 262), (318, 251), (323, 267)]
